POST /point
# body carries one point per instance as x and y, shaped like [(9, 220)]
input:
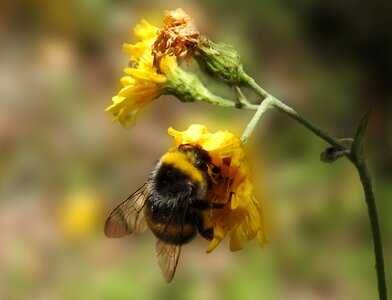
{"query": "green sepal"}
[(187, 87), (221, 61)]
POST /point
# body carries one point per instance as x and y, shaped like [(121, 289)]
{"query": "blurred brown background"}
[(63, 166)]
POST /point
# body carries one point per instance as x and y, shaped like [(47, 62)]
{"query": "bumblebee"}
[(172, 204)]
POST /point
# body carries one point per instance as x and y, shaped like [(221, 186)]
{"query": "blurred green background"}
[(64, 167)]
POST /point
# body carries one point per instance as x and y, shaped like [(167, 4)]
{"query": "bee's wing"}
[(128, 217), (167, 255)]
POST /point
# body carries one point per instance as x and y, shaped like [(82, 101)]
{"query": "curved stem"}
[(282, 107), (263, 107), (251, 83), (309, 125), (210, 98), (338, 145), (219, 101), (375, 226)]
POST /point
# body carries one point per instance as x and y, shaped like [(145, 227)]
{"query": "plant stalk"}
[(263, 107), (338, 145), (375, 226)]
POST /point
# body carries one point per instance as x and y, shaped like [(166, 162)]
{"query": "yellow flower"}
[(79, 214), (148, 78), (242, 215), (142, 82)]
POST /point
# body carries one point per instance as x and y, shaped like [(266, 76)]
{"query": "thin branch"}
[(375, 227), (359, 163)]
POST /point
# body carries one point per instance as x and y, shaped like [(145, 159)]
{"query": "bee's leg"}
[(205, 232), (203, 205)]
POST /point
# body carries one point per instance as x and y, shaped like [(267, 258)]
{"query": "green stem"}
[(309, 125), (263, 107), (282, 107), (251, 83), (374, 224), (241, 97), (210, 98), (338, 145), (268, 101)]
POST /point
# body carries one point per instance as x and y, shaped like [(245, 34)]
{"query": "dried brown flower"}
[(179, 36)]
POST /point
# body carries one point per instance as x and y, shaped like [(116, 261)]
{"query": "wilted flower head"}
[(143, 83), (179, 36), (242, 215)]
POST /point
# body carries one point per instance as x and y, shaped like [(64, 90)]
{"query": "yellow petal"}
[(142, 82), (236, 239), (145, 31), (126, 81), (219, 234)]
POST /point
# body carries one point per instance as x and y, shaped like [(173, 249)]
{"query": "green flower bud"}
[(187, 87), (221, 61)]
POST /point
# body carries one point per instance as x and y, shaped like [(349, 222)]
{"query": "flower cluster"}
[(156, 71), (203, 183)]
